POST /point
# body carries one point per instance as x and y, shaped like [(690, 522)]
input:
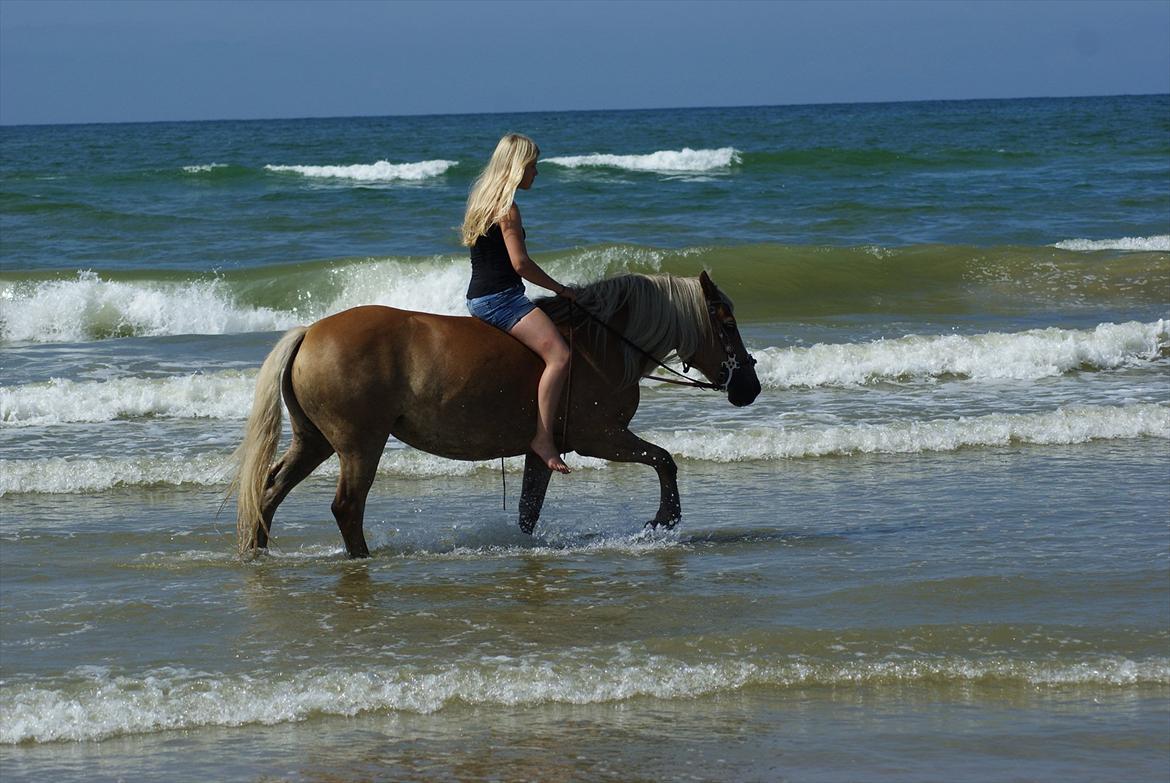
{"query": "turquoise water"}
[(937, 546)]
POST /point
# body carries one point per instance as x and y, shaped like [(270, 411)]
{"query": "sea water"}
[(936, 547)]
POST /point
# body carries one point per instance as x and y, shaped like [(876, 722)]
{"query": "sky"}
[(67, 61)]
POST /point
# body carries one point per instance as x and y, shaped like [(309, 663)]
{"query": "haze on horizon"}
[(71, 61)]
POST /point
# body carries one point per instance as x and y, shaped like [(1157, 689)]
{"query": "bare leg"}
[(537, 332)]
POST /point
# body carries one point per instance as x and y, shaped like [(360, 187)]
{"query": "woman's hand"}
[(568, 293)]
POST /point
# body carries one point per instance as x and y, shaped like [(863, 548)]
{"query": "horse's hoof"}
[(667, 525), (527, 526)]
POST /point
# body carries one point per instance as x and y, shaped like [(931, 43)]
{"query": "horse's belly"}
[(457, 441), (469, 426)]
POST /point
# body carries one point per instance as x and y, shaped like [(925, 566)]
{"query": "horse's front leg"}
[(624, 446), (536, 476)]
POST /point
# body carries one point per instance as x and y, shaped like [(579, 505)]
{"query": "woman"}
[(500, 263)]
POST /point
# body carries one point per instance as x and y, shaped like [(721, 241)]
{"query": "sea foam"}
[(665, 161), (89, 307), (1028, 355), (204, 168), (96, 703), (1064, 426), (75, 475), (92, 307), (381, 171), (224, 395), (1160, 242)]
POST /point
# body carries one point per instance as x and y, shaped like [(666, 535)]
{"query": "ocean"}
[(937, 547)]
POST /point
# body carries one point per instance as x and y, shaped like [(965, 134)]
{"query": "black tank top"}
[(491, 266)]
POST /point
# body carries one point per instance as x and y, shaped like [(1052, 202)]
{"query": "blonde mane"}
[(664, 315)]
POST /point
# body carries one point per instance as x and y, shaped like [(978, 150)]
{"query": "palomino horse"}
[(461, 389)]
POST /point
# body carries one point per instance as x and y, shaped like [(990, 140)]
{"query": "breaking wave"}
[(663, 161), (1160, 242), (381, 171), (98, 704), (224, 395), (1026, 355), (89, 307), (767, 282), (1064, 426), (1029, 355)]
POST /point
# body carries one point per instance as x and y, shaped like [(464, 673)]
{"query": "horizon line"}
[(574, 111)]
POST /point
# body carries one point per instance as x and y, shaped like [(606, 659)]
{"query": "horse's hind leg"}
[(349, 505), (301, 459)]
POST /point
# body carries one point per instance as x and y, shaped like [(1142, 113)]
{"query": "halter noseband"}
[(730, 363)]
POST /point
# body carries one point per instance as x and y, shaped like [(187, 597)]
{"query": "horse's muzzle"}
[(743, 386), (743, 394)]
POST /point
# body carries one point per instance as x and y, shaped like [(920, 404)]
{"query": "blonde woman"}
[(500, 263)]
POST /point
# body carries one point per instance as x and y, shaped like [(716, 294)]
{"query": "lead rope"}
[(569, 380)]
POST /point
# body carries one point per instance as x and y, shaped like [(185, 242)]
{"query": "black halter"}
[(730, 362)]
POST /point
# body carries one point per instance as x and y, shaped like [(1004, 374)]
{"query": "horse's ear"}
[(709, 289)]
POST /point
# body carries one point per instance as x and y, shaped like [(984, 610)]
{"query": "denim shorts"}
[(502, 310)]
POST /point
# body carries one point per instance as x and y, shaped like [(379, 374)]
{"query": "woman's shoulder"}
[(511, 217)]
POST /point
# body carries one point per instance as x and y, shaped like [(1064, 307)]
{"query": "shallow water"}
[(937, 546)]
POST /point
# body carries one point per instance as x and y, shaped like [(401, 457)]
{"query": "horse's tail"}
[(261, 436)]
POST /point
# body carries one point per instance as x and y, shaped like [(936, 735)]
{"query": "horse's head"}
[(723, 358)]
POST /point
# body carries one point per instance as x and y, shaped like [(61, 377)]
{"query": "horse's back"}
[(431, 380), (372, 329)]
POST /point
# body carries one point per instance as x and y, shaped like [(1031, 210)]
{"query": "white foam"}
[(225, 395), (72, 475), (1160, 242), (381, 171), (1065, 426), (88, 307), (95, 703), (1037, 353), (204, 168), (665, 161), (66, 475)]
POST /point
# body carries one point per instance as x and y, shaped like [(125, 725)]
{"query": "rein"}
[(682, 379)]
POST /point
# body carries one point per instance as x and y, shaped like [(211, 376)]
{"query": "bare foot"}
[(551, 458)]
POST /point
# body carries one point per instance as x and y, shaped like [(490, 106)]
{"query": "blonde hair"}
[(492, 194)]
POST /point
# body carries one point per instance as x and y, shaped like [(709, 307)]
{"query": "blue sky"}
[(100, 61)]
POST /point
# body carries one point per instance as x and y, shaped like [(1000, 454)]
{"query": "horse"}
[(462, 389)]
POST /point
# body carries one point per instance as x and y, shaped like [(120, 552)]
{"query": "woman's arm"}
[(513, 231)]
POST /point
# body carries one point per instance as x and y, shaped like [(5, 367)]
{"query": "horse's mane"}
[(664, 315)]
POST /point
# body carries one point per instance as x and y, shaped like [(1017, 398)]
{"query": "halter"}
[(730, 363)]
